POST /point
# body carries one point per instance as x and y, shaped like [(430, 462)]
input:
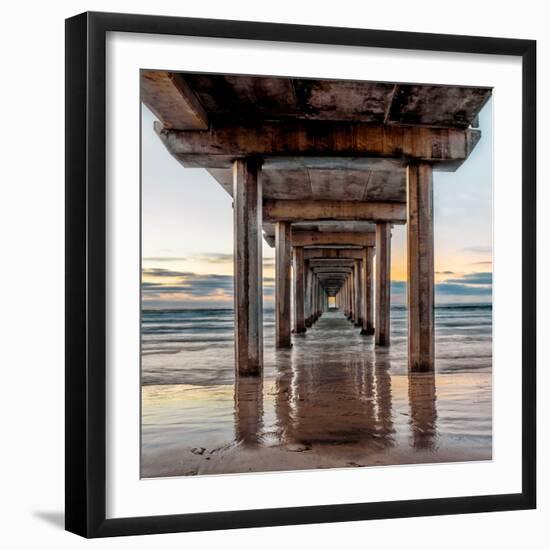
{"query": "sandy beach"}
[(331, 401)]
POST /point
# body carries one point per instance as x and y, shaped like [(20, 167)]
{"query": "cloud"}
[(482, 248), (463, 290), (488, 262), (191, 286), (211, 258), (484, 278), (470, 284), (187, 285), (214, 258), (444, 272), (159, 272), (164, 258)]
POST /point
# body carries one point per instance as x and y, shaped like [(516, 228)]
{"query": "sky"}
[(187, 232)]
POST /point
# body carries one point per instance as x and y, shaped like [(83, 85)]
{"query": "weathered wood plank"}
[(247, 228), (323, 139), (332, 269), (329, 262), (317, 210), (282, 284), (383, 284), (171, 99), (420, 262), (332, 253), (311, 238)]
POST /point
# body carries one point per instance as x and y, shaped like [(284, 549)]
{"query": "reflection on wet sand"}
[(422, 403), (333, 403), (249, 410), (318, 407)]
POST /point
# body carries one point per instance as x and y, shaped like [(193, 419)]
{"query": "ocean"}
[(195, 346), (333, 400)]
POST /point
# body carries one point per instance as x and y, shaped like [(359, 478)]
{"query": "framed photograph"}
[(300, 274)]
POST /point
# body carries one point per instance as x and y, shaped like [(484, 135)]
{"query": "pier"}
[(322, 170)]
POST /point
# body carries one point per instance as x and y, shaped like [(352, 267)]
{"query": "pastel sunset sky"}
[(187, 231)]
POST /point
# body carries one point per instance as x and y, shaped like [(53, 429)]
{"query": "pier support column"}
[(349, 294), (357, 285), (282, 284), (315, 299), (309, 310), (366, 284), (383, 290), (247, 229), (299, 321), (346, 297), (352, 297), (420, 264)]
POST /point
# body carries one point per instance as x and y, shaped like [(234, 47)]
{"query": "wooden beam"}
[(247, 229), (171, 99), (309, 238), (299, 319), (328, 262), (383, 284), (332, 253), (317, 210), (217, 146), (282, 285), (366, 284), (333, 269), (420, 262)]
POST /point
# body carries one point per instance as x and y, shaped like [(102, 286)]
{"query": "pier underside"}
[(315, 167)]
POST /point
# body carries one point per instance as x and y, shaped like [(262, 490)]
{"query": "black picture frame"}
[(86, 267)]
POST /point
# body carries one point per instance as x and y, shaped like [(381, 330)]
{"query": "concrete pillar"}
[(352, 297), (357, 286), (420, 263), (314, 298), (345, 298), (299, 321), (383, 290), (309, 309), (247, 229), (282, 284), (366, 288), (349, 292)]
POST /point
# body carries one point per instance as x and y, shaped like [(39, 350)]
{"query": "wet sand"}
[(332, 401)]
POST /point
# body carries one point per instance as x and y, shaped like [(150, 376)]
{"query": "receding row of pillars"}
[(310, 298), (355, 298)]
